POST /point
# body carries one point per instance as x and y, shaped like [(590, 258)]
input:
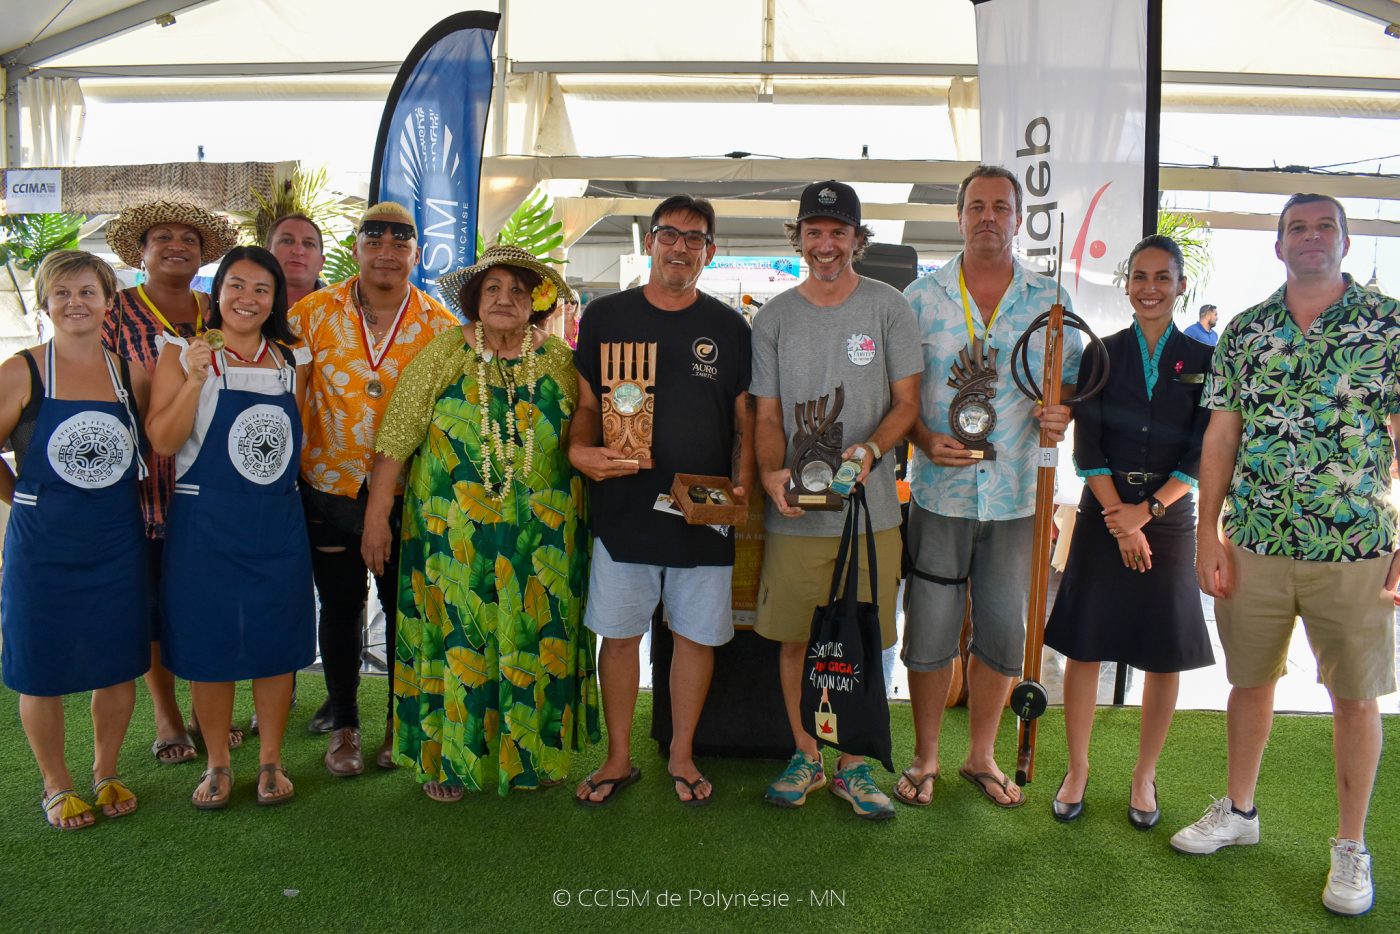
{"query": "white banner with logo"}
[(33, 191), (1064, 105)]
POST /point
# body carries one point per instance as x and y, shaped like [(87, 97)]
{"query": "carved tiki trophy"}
[(970, 415), (629, 371), (816, 452)]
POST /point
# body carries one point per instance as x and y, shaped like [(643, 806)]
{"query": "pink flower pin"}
[(1179, 365)]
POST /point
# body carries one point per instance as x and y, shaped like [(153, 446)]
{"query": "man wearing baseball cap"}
[(835, 329), (361, 332)]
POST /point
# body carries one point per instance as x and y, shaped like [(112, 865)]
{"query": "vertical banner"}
[(1070, 101), (428, 153)]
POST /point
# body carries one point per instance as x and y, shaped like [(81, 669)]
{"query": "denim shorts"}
[(622, 598)]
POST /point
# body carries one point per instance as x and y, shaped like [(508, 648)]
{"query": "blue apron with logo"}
[(236, 580), (73, 602)]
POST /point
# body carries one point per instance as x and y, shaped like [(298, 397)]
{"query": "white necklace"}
[(498, 441)]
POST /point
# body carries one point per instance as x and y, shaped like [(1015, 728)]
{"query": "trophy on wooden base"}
[(629, 370), (816, 452), (970, 415)]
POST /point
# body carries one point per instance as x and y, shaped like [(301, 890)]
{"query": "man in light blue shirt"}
[(1204, 329), (971, 516)]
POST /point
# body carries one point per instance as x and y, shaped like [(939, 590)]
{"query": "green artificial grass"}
[(373, 854)]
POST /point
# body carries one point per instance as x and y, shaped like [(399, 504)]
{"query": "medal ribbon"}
[(151, 307), (257, 357), (376, 357), (967, 311)]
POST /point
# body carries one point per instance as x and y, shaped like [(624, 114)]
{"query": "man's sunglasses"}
[(388, 228), (694, 239)]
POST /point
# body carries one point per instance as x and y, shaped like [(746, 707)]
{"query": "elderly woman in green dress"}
[(491, 647)]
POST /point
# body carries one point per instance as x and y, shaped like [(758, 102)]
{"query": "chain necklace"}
[(498, 441)]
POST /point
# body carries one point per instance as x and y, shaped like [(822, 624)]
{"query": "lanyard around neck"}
[(151, 307), (967, 310), (375, 355)]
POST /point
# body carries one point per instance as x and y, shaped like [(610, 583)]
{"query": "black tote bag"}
[(843, 676)]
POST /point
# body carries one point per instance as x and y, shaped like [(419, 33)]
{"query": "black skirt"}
[(1106, 612)]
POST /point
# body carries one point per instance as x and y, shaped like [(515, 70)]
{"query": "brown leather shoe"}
[(385, 757), (343, 757)]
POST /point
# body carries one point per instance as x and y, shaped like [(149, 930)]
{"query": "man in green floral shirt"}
[(1302, 391)]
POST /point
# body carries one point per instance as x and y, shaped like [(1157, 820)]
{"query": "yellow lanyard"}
[(198, 316), (967, 312)]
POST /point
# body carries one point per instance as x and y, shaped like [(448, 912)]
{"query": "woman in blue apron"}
[(73, 602), (236, 584)]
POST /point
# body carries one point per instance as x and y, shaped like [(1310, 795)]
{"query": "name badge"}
[(1192, 379)]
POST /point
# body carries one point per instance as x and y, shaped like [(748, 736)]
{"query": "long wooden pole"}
[(1042, 542)]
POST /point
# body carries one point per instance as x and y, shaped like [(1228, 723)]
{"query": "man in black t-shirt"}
[(703, 424)]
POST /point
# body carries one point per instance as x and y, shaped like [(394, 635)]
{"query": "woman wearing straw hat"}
[(73, 603), (491, 644), (170, 241), (236, 583)]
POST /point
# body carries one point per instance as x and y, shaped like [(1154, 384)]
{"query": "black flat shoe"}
[(1064, 813), (1144, 820)]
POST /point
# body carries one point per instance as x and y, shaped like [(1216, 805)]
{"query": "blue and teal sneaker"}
[(857, 787), (801, 777)]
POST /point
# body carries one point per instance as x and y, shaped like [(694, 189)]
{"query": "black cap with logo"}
[(833, 199)]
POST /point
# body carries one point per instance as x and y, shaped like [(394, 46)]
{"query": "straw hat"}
[(216, 233), (451, 284)]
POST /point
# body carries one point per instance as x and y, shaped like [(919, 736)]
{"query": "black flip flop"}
[(618, 786), (694, 802), (917, 782)]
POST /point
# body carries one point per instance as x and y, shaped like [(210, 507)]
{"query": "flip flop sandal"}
[(454, 793), (618, 785), (235, 733), (695, 786), (110, 792), (979, 780), (178, 742), (218, 799), (271, 770), (71, 806), (918, 782)]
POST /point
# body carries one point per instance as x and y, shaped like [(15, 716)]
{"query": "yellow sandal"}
[(110, 792), (69, 805)]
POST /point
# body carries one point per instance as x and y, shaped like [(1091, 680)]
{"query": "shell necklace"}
[(498, 440)]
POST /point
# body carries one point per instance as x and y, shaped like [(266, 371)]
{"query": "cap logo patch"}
[(826, 196)]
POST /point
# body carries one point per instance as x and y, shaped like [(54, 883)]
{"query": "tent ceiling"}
[(1273, 41)]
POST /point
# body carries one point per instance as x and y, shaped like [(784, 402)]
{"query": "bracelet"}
[(874, 449)]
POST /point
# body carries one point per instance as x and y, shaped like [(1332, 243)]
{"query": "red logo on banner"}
[(1097, 248)]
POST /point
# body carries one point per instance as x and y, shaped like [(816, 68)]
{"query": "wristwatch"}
[(1154, 505)]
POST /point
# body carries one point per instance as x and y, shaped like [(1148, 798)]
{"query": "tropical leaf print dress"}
[(491, 650)]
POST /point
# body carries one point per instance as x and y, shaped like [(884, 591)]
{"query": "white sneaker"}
[(1219, 827), (1348, 890)]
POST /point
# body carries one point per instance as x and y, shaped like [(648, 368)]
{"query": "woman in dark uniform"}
[(73, 603), (236, 583), (1129, 592)]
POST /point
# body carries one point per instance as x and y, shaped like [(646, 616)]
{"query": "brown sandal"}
[(271, 770)]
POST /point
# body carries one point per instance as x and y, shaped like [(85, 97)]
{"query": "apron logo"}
[(860, 348), (260, 443), (91, 450)]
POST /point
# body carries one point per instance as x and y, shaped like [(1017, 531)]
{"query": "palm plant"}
[(1193, 236), (305, 192), (25, 239)]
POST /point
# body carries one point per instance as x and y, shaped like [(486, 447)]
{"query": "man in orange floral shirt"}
[(362, 332)]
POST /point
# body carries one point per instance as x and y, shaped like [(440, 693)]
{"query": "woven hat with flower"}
[(543, 298), (216, 233)]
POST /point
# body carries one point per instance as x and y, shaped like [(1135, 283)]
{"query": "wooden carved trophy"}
[(629, 400)]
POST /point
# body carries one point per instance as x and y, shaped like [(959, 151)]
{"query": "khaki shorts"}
[(1348, 617), (796, 580)]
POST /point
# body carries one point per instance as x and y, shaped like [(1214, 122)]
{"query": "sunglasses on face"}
[(388, 228), (668, 236)]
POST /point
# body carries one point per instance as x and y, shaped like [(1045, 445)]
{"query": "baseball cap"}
[(833, 199)]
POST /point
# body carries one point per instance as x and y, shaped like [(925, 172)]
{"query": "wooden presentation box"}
[(708, 513)]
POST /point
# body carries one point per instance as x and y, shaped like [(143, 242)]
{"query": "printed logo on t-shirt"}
[(706, 353), (91, 450), (260, 443), (860, 348)]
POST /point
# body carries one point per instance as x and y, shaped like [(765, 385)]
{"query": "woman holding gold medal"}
[(169, 241), (236, 583), (491, 645)]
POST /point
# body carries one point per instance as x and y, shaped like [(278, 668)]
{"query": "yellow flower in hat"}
[(544, 296)]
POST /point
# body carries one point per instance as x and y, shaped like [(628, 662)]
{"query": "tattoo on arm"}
[(736, 455)]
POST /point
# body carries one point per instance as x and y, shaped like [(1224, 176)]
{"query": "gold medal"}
[(214, 338), (374, 389)]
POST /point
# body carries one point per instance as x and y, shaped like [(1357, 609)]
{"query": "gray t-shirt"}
[(803, 351)]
